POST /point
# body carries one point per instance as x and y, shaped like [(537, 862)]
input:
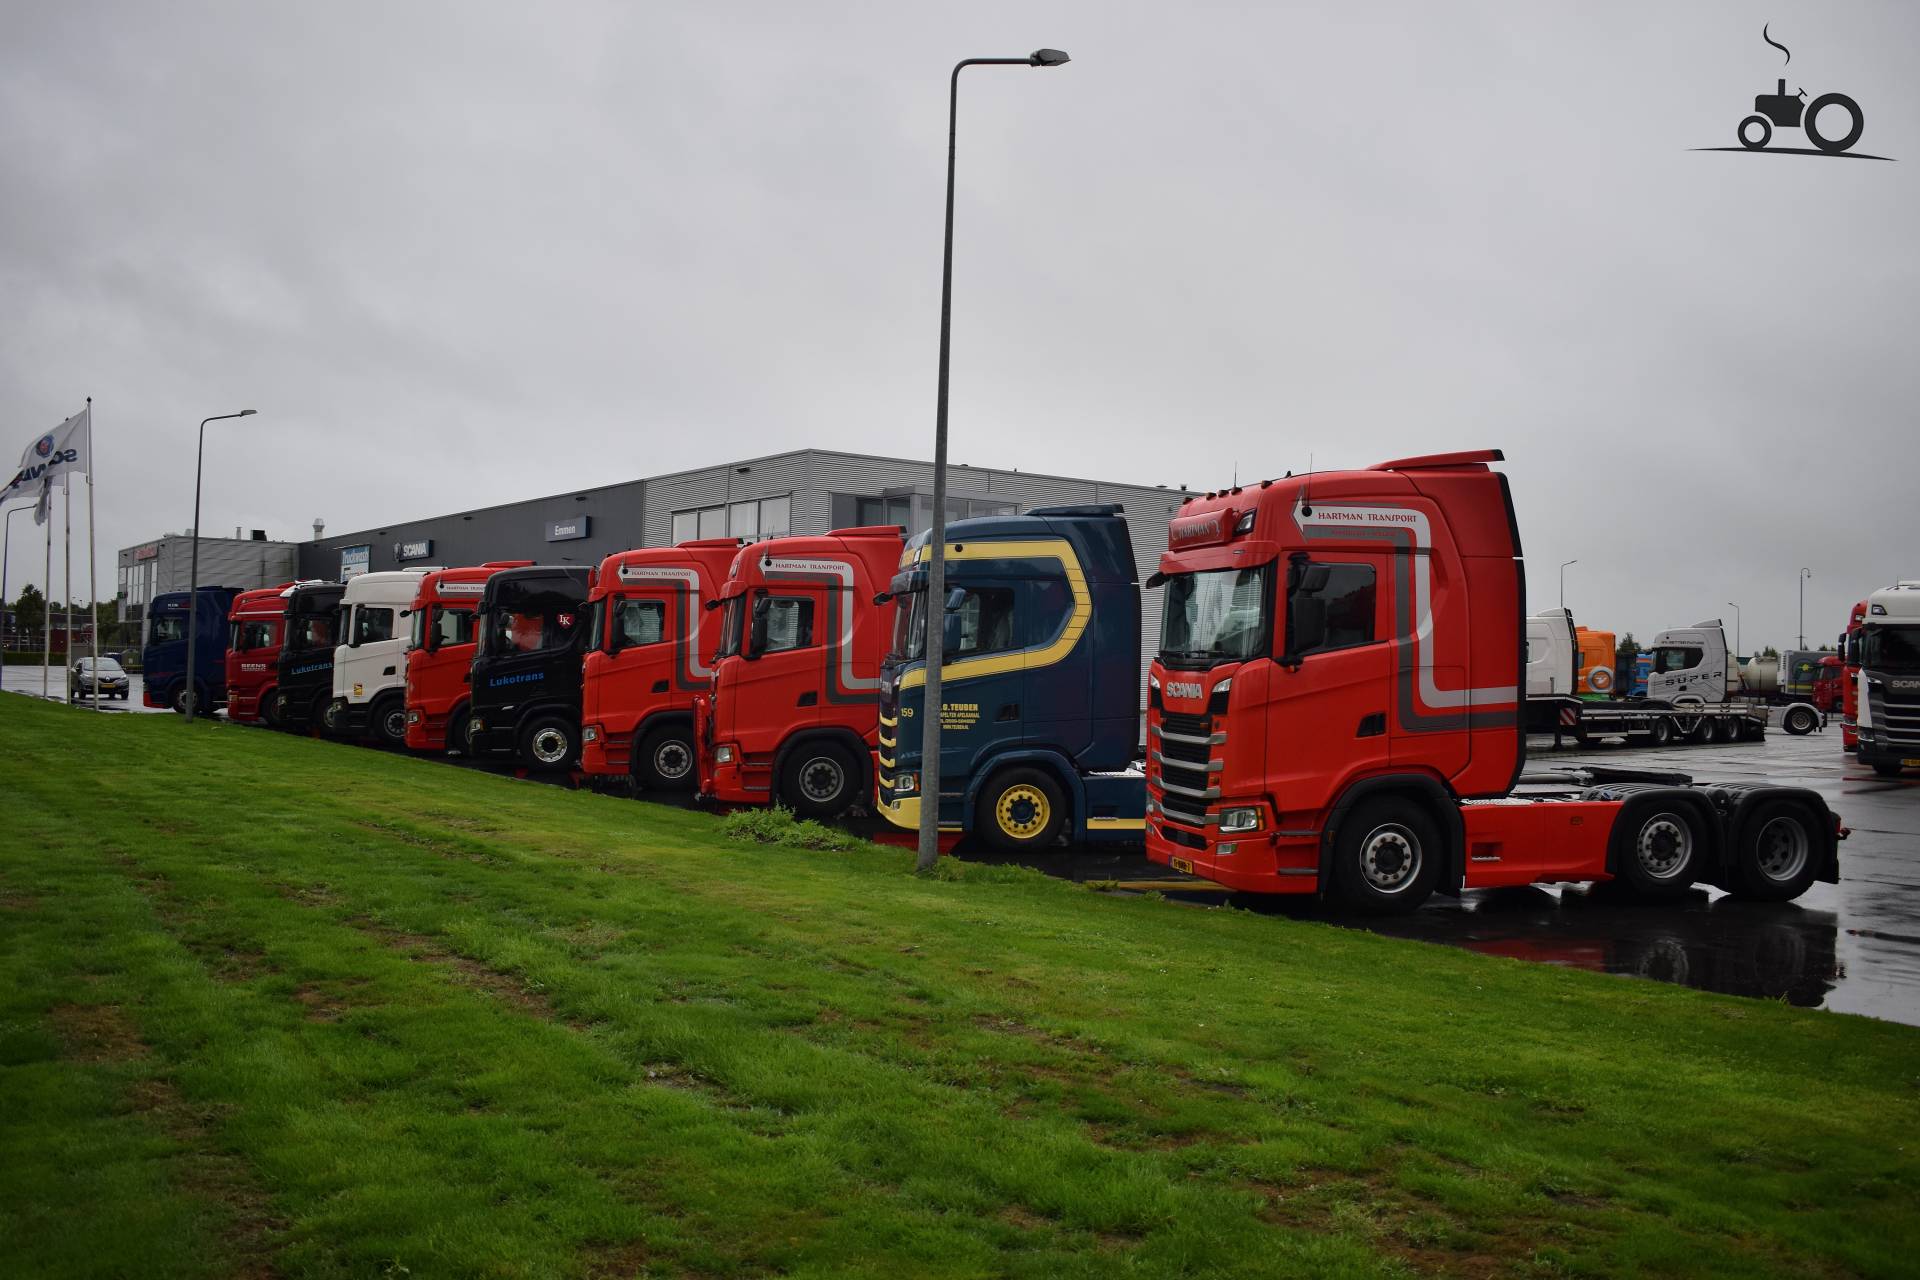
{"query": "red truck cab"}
[(257, 623), (442, 655), (794, 711), (651, 653), (1850, 677), (1335, 704)]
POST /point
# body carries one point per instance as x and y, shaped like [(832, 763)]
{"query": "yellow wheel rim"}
[(1023, 810)]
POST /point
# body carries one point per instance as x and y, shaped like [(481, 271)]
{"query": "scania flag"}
[(68, 447)]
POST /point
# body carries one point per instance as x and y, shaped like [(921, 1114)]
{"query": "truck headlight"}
[(1237, 820), (905, 782), (1153, 681), (413, 715), (591, 733), (723, 755)]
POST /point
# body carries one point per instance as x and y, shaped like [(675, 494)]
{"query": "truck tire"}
[(1774, 860), (273, 712), (1726, 730), (1020, 811), (1887, 768), (317, 713), (1386, 857), (460, 731), (549, 743), (332, 717), (1655, 851), (390, 722), (1701, 732), (1799, 721), (1662, 732), (177, 696), (663, 758), (819, 780)]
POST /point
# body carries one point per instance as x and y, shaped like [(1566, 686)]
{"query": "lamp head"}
[(246, 413), (1047, 58)]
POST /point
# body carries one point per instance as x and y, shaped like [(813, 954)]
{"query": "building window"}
[(913, 512), (886, 511), (753, 518)]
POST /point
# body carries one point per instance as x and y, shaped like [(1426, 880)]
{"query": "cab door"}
[(631, 673), (780, 685), (1333, 691)]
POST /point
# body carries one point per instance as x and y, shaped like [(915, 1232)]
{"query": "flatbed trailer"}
[(1655, 723)]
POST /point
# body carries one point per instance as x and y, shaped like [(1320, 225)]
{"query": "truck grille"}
[(1181, 753), (1896, 717)]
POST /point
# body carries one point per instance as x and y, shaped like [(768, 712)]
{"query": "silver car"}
[(110, 676)]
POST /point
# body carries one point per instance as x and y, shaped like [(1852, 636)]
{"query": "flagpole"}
[(46, 622), (66, 564), (93, 557)]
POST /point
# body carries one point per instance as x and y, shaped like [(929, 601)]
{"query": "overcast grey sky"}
[(459, 254)]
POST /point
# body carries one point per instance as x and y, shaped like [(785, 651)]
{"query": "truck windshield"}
[(1890, 648), (312, 631), (164, 629), (251, 635), (1214, 616), (732, 615)]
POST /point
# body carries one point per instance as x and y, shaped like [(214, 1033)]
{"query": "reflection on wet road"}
[(1852, 946)]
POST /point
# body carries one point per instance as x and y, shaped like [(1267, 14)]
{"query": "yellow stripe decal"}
[(1058, 549), (1116, 824)]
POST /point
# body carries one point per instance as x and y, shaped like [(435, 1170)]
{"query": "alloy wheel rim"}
[(672, 760), (1390, 857), (1664, 846), (821, 780), (1781, 849), (549, 746), (1023, 810)]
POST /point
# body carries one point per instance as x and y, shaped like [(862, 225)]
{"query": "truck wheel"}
[(333, 716), (317, 713), (273, 711), (460, 731), (1386, 858), (1020, 811), (819, 780), (1726, 729), (390, 722), (1887, 768), (1775, 859), (1662, 732), (177, 699), (549, 743), (1657, 852), (663, 759), (1799, 721)]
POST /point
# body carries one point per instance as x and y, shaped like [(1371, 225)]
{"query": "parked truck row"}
[(1338, 705)]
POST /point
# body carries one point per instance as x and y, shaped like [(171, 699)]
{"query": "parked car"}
[(112, 680)]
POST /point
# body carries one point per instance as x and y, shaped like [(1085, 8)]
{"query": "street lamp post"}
[(936, 610), (1736, 627), (6, 559), (193, 571), (1563, 581), (1805, 573)]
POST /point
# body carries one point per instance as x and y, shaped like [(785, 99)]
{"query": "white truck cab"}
[(1691, 666), (1550, 654), (1888, 651), (370, 665)]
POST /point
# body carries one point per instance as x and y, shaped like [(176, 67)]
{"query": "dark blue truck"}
[(163, 660), (1041, 684)]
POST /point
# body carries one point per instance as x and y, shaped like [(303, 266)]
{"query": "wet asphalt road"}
[(17, 679), (1852, 946)]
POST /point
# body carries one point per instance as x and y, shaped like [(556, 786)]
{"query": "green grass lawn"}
[(278, 1007)]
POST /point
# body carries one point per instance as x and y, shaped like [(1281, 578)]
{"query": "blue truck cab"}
[(163, 659), (1040, 698)]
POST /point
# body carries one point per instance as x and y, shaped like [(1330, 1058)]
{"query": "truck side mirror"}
[(955, 598), (950, 634), (757, 636)]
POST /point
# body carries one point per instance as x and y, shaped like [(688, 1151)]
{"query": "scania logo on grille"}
[(1183, 689), (1904, 686)]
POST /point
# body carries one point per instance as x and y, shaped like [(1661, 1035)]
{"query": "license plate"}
[(1181, 865), (1910, 764)]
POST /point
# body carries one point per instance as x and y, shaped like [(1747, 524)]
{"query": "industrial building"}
[(806, 491), (165, 564)]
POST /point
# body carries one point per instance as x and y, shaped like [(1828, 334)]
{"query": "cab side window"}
[(986, 621), (789, 623), (1334, 607), (638, 622), (370, 624), (1674, 657)]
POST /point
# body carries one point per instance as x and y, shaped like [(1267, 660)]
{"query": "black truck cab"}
[(530, 639), (306, 658)]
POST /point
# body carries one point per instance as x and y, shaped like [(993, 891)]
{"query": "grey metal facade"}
[(164, 564), (824, 488)]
